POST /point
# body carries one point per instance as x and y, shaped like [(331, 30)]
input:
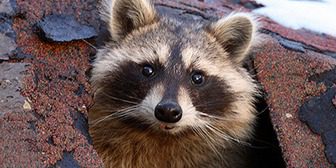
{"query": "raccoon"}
[(172, 94)]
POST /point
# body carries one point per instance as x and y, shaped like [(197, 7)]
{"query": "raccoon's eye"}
[(197, 78), (148, 71)]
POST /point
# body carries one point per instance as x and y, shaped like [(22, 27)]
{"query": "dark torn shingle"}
[(63, 28), (80, 122), (327, 77), (320, 115), (7, 7), (7, 35), (67, 161), (11, 75), (330, 139)]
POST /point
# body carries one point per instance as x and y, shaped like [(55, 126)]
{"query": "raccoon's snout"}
[(168, 111)]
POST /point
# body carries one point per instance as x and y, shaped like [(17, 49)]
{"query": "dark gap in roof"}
[(265, 150)]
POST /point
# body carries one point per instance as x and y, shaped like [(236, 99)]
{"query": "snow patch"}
[(319, 16)]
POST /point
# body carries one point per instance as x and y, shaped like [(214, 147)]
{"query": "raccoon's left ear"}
[(124, 16), (236, 33)]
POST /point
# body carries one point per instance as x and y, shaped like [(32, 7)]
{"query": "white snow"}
[(318, 16)]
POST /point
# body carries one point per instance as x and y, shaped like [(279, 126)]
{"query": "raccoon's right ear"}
[(124, 16)]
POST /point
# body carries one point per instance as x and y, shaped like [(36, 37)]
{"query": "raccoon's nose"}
[(169, 112)]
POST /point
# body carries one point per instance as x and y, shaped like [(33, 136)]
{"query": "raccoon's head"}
[(160, 75)]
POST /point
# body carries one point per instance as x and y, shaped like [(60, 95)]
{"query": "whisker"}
[(264, 110), (215, 117), (119, 99), (206, 137), (220, 133), (91, 45), (228, 137), (115, 114)]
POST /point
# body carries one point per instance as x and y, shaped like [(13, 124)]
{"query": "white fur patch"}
[(188, 56), (153, 98)]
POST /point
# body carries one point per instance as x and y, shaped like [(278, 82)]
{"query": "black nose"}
[(169, 112)]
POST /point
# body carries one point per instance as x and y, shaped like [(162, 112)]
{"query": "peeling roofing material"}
[(7, 7), (296, 68), (7, 34), (319, 113), (10, 83), (7, 46), (64, 28)]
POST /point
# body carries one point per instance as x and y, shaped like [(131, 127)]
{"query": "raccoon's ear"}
[(236, 33), (124, 16)]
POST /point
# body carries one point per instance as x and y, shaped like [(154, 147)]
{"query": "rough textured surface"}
[(320, 114), (62, 28), (7, 7), (7, 34), (67, 161), (284, 75), (7, 46), (327, 77), (330, 139), (50, 128), (6, 26), (17, 133), (10, 85), (57, 71)]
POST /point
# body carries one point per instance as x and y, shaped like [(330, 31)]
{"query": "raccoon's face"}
[(164, 76)]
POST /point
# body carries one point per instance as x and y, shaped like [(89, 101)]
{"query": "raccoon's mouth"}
[(166, 127)]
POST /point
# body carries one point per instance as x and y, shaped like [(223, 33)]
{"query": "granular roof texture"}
[(52, 131), (284, 75), (46, 126)]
